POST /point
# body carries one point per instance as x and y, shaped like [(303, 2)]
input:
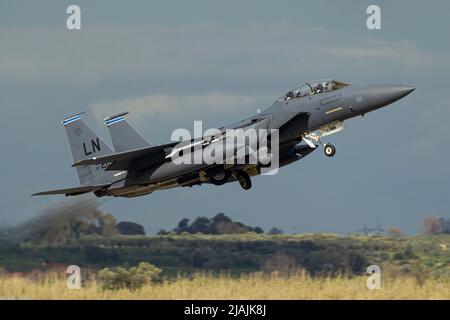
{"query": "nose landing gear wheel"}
[(244, 180), (329, 150)]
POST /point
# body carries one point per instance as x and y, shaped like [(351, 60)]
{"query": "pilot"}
[(289, 95), (319, 88)]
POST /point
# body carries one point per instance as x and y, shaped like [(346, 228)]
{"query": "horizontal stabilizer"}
[(72, 191), (126, 160)]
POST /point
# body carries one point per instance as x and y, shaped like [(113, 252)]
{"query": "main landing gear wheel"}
[(329, 150), (244, 179), (220, 178)]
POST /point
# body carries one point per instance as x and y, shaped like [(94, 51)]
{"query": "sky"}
[(172, 62)]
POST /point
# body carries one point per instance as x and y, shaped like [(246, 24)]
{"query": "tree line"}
[(219, 224)]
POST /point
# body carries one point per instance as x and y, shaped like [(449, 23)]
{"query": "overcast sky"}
[(173, 62)]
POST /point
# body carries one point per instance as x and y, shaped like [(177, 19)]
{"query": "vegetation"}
[(318, 254), (130, 278), (219, 258), (298, 285), (432, 225), (219, 224), (64, 225)]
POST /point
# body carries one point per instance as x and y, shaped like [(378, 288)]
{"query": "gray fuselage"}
[(286, 115)]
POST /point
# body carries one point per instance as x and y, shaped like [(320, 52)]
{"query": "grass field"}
[(250, 286), (332, 267)]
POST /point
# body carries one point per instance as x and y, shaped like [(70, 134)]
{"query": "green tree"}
[(357, 263), (182, 225), (132, 278), (200, 225)]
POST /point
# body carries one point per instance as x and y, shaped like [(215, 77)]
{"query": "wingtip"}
[(75, 164), (37, 194)]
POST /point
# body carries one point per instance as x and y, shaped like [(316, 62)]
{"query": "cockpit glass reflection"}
[(313, 88)]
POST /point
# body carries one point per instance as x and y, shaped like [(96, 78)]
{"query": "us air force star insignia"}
[(78, 131)]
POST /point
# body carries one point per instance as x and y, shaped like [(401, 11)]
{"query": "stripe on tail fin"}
[(124, 137), (85, 143)]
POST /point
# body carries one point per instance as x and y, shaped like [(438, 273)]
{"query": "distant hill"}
[(318, 254)]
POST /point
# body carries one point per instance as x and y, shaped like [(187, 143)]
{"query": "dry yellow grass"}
[(253, 286)]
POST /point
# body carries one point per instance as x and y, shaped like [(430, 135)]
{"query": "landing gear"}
[(244, 179), (329, 150), (326, 130), (219, 178)]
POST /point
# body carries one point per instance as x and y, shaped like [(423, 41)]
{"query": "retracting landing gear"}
[(327, 130), (329, 150), (244, 179)]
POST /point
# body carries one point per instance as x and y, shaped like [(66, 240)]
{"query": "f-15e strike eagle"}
[(303, 117)]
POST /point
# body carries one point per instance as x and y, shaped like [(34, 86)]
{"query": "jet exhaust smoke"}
[(51, 221)]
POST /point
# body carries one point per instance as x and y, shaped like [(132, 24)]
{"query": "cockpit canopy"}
[(313, 88)]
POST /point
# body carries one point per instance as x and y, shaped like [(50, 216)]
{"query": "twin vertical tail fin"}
[(124, 137), (85, 143)]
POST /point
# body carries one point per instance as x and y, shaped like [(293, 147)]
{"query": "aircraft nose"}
[(382, 95)]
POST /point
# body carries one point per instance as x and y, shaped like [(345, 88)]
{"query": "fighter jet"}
[(303, 117)]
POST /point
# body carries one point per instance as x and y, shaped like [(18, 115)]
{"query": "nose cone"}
[(382, 95)]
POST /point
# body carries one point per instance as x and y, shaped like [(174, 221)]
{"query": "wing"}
[(72, 191), (142, 158), (252, 121), (139, 159), (130, 160)]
